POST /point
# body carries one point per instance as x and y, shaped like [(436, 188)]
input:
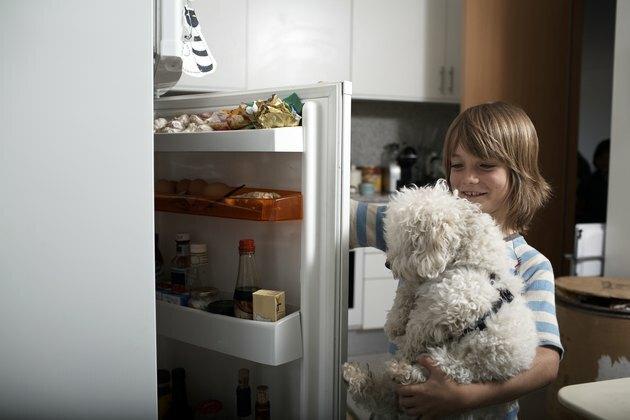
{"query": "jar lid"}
[(246, 245), (198, 248), (182, 237)]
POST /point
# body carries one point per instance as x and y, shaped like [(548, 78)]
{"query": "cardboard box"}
[(268, 305)]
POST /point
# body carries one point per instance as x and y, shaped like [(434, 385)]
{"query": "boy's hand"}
[(438, 396)]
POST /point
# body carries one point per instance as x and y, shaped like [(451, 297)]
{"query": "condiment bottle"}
[(262, 410), (180, 264), (180, 409), (246, 281), (243, 395)]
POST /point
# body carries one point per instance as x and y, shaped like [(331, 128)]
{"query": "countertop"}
[(375, 198), (598, 400)]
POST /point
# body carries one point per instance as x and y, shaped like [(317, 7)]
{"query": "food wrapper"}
[(238, 118), (273, 113)]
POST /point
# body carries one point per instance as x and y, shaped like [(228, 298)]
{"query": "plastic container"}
[(287, 207)]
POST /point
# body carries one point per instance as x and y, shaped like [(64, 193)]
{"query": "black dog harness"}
[(505, 297)]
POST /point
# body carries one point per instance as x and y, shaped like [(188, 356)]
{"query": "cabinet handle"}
[(442, 79), (451, 74)]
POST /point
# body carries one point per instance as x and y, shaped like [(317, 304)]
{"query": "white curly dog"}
[(457, 301)]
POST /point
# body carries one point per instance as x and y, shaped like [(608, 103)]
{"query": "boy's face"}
[(480, 181)]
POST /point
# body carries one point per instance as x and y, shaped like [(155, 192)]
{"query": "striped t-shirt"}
[(367, 229)]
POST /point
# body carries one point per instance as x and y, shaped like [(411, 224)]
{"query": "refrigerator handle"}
[(442, 71)]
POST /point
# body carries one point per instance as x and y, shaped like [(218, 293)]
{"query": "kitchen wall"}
[(377, 123), (618, 227), (598, 40)]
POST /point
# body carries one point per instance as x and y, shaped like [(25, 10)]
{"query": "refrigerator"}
[(299, 356), (84, 333)]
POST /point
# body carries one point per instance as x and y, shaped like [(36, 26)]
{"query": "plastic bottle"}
[(199, 267), (246, 281)]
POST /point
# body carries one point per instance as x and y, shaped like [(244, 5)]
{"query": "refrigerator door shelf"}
[(269, 343), (288, 139)]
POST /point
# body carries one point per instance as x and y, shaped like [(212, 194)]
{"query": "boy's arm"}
[(367, 225), (440, 395)]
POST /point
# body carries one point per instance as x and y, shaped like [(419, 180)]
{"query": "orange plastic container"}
[(287, 207)]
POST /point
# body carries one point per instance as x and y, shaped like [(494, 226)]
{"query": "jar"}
[(372, 174), (202, 298)]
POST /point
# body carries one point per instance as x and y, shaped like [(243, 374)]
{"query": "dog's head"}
[(428, 229)]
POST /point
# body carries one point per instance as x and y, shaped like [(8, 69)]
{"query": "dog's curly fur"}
[(452, 261)]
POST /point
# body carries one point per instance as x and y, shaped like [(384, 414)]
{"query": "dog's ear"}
[(422, 231)]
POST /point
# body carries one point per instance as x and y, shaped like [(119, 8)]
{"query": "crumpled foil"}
[(273, 113)]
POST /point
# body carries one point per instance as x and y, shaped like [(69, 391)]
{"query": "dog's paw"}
[(404, 373), (355, 376)]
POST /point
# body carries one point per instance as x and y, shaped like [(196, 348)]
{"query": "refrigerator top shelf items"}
[(288, 139), (269, 343)]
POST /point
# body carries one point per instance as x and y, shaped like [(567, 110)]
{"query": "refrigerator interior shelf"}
[(288, 139), (269, 343), (287, 207)]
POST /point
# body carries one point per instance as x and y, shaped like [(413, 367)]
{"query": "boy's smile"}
[(480, 181)]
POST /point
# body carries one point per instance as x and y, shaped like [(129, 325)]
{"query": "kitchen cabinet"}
[(296, 43), (379, 289), (224, 26), (408, 52)]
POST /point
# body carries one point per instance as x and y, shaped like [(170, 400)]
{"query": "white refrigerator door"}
[(323, 264), (77, 319)]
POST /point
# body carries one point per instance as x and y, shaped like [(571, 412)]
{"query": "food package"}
[(273, 113), (268, 305)]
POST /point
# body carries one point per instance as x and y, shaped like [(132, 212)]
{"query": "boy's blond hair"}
[(503, 132)]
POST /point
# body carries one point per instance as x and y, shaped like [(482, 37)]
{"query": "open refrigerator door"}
[(302, 252)]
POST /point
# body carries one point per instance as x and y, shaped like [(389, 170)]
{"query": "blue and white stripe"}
[(539, 289)]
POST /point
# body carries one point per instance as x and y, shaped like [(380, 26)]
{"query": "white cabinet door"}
[(398, 49), (224, 25), (378, 297), (453, 50), (295, 42)]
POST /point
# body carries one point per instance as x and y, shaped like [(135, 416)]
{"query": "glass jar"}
[(372, 174)]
